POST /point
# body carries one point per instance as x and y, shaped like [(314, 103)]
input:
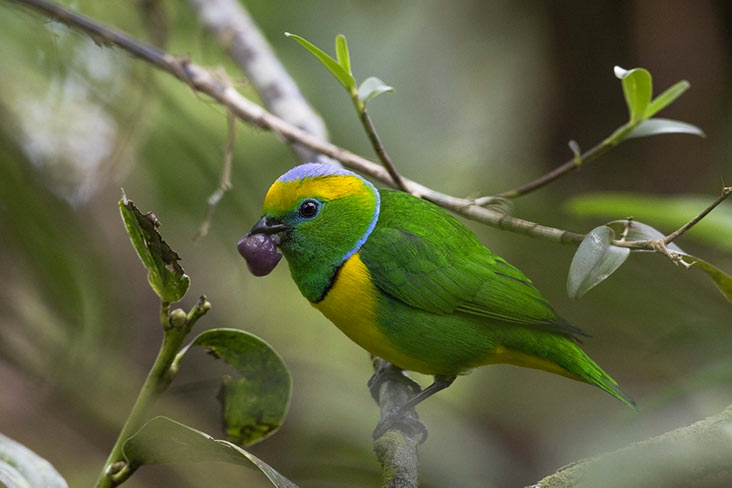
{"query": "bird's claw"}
[(387, 372)]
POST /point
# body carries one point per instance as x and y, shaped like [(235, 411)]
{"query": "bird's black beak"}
[(268, 227)]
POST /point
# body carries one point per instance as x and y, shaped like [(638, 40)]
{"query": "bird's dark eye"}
[(309, 209)]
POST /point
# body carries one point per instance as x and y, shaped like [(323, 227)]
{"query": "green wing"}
[(423, 256)]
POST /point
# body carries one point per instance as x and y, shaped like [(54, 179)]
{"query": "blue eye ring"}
[(309, 209)]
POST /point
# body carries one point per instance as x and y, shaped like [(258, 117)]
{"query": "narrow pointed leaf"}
[(372, 87), (344, 77), (666, 98), (342, 55), (165, 275), (255, 404), (165, 441), (596, 259), (721, 280), (22, 468), (637, 89), (652, 127)]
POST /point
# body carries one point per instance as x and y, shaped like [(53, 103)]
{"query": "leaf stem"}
[(575, 163), (376, 143), (116, 470)]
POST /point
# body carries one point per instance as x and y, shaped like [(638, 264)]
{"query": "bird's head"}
[(319, 216)]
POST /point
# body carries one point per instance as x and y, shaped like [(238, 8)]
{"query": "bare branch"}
[(696, 455), (229, 21)]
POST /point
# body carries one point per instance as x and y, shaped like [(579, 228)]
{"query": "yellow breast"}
[(351, 304)]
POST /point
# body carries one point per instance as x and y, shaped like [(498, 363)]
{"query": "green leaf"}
[(596, 259), (342, 54), (666, 98), (652, 127), (668, 213), (254, 405), (22, 468), (164, 273), (722, 280), (343, 76), (637, 88), (372, 87), (165, 441)]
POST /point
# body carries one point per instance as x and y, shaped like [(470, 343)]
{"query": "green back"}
[(425, 257)]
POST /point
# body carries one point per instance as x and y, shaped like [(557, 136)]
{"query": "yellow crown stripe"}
[(283, 196)]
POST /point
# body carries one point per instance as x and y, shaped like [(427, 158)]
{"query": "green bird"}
[(410, 283)]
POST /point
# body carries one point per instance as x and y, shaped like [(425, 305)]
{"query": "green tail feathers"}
[(611, 386)]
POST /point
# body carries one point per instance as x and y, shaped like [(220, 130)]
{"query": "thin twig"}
[(224, 181), (380, 149), (653, 243), (575, 163)]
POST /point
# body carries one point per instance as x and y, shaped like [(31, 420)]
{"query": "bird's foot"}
[(388, 372), (404, 421)]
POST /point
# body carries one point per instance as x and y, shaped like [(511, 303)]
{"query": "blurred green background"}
[(488, 94)]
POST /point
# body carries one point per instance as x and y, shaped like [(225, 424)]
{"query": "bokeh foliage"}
[(488, 95)]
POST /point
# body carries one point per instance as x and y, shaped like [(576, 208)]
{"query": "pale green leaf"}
[(165, 441), (343, 76), (342, 55), (666, 98), (595, 260), (371, 88), (22, 468), (637, 89), (652, 127)]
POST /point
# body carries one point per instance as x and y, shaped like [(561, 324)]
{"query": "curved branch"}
[(695, 455), (203, 81)]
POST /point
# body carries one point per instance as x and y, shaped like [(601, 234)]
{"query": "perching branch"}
[(397, 449), (697, 455)]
